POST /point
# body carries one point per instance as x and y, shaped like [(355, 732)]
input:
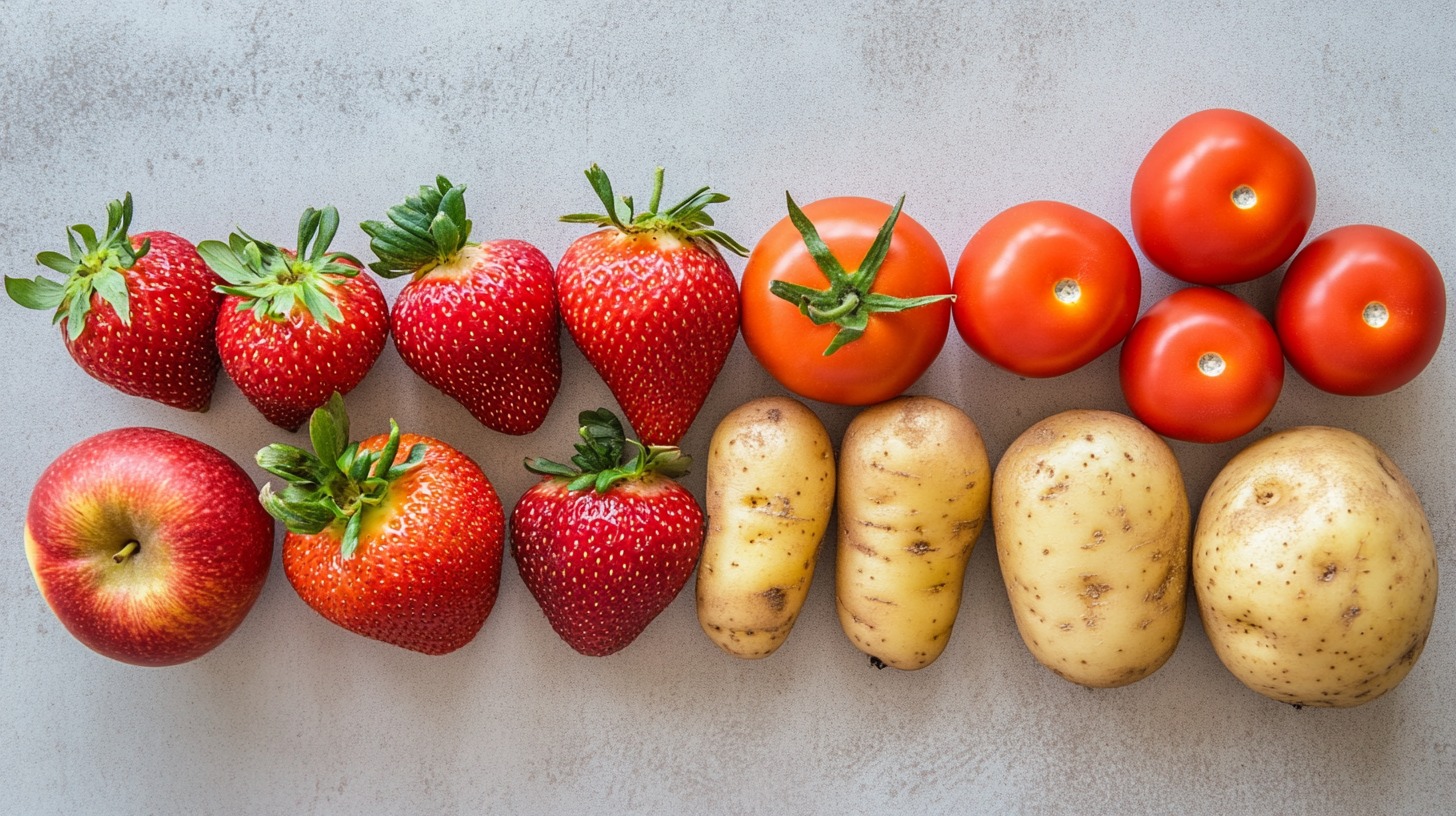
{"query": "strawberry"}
[(295, 326), (477, 321), (605, 547), (651, 304), (406, 550), (136, 312)]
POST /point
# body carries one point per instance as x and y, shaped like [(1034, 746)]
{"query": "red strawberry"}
[(137, 313), (404, 550), (605, 547), (295, 327), (652, 305), (478, 321)]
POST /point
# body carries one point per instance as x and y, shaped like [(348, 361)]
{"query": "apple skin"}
[(203, 544)]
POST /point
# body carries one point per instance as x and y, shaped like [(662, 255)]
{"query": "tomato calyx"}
[(849, 301)]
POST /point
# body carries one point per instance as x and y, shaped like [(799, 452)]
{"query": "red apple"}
[(149, 546)]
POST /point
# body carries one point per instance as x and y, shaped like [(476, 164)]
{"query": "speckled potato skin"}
[(1092, 532), (770, 491), (914, 488), (1315, 569)]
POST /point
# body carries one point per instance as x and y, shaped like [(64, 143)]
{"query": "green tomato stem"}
[(847, 305)]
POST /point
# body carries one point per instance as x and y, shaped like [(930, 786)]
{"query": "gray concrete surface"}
[(222, 114)]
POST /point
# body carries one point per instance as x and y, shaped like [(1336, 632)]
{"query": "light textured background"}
[(222, 114)]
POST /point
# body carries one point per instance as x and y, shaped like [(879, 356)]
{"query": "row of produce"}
[(1313, 564), (847, 300)]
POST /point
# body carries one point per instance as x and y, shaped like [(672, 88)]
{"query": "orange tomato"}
[(896, 346)]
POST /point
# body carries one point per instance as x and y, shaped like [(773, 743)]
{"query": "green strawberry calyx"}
[(850, 299), (598, 463), (688, 219), (95, 264), (426, 231), (272, 282), (336, 484)]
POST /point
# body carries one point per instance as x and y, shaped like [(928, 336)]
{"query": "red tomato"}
[(1045, 288), (895, 348), (1221, 198), (1361, 310), (1201, 366)]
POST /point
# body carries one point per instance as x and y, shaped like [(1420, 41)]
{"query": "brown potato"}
[(1092, 524)]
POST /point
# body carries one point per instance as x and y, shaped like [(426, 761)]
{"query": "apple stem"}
[(131, 547)]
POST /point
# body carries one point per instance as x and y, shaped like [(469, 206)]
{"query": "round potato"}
[(1092, 522), (1315, 569), (914, 485), (769, 495)]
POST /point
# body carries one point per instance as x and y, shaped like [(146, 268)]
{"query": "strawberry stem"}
[(93, 265), (337, 482), (656, 190), (598, 461), (687, 219), (427, 230), (849, 300), (273, 283)]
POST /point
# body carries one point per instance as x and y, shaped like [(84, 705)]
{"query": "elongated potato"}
[(1315, 568), (1092, 523), (770, 492), (914, 485)]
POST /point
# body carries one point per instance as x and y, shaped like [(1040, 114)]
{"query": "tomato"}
[(1361, 310), (894, 348), (1201, 366), (1221, 198), (1045, 288)]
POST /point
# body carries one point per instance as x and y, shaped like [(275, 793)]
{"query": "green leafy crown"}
[(271, 282), (425, 231), (850, 299), (95, 264), (598, 461), (337, 483), (687, 219)]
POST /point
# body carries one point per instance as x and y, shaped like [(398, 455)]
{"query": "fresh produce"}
[(847, 335), (1092, 525), (1361, 310), (1315, 568), (136, 312), (914, 490), (398, 538), (604, 546), (1202, 366), (770, 493), (149, 546), (295, 327), (1044, 288), (1221, 198), (477, 321), (651, 303)]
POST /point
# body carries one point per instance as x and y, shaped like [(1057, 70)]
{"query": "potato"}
[(1092, 522), (770, 493), (1315, 569), (914, 485)]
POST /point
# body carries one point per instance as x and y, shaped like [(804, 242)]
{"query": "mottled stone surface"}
[(222, 114)]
